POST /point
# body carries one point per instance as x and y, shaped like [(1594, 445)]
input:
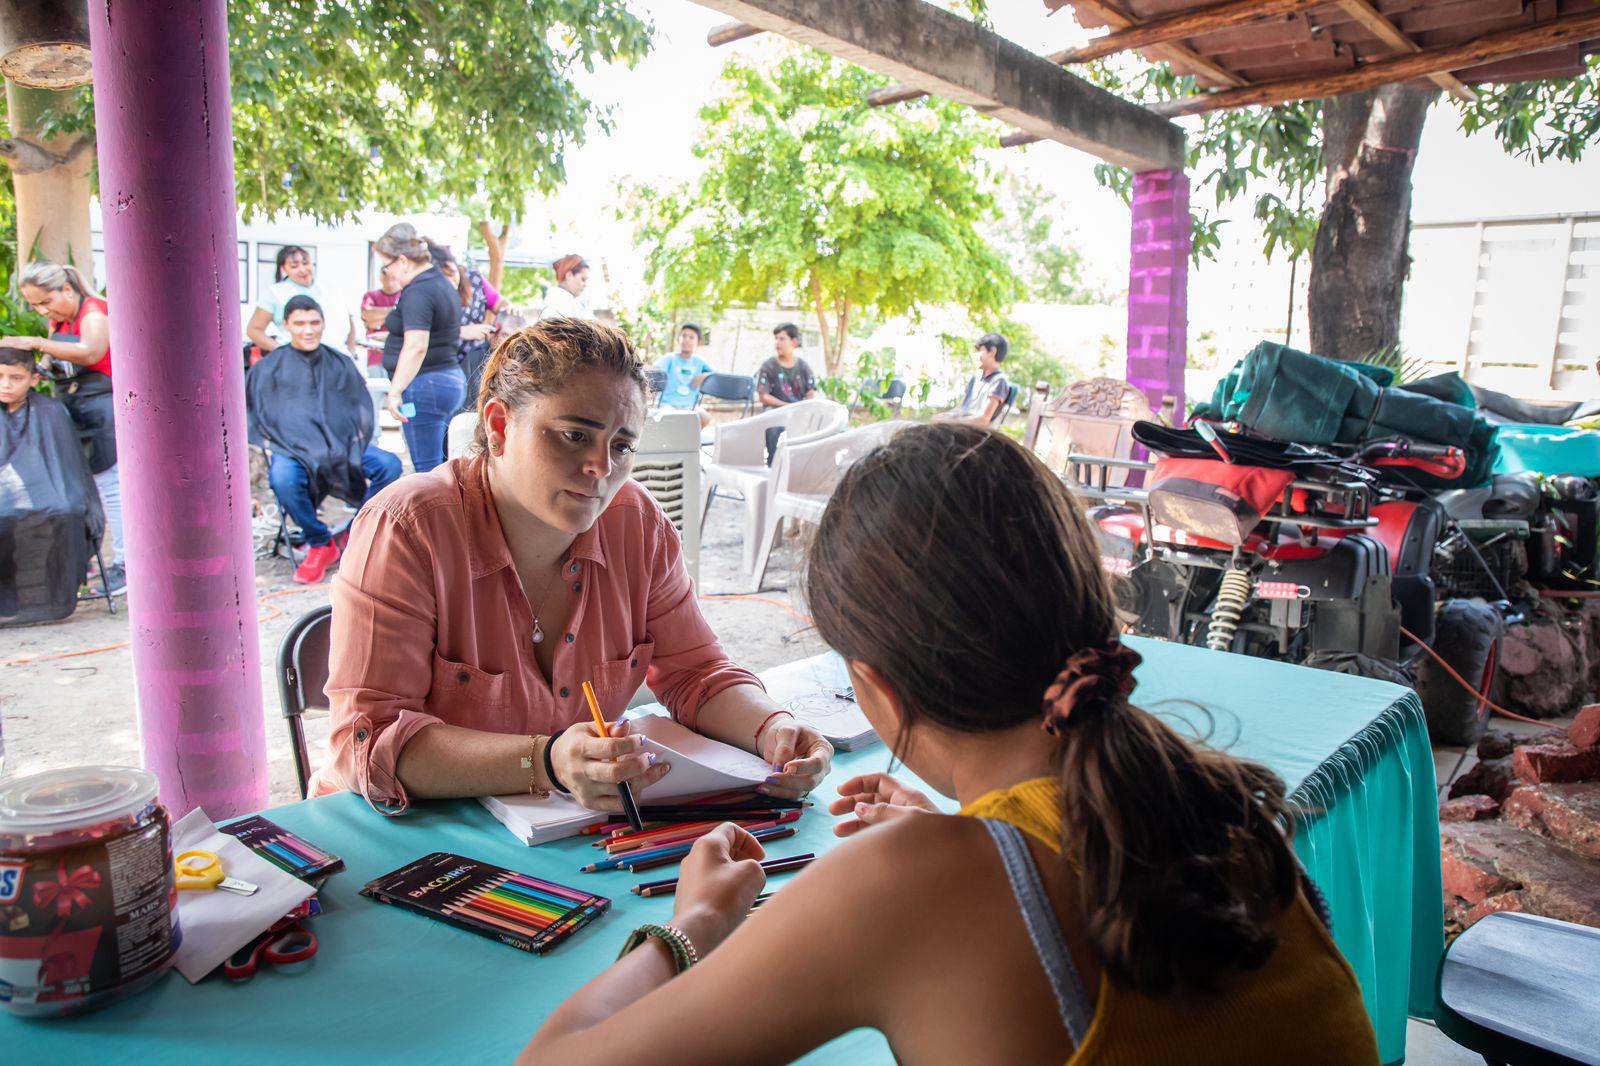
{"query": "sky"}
[(655, 113)]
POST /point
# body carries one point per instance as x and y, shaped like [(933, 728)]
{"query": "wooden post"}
[(1158, 277), (165, 127)]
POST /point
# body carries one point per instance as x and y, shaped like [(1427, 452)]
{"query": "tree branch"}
[(822, 321), (26, 157)]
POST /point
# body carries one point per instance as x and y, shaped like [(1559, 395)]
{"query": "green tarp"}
[(1290, 395)]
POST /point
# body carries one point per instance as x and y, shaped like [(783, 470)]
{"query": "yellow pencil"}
[(629, 807)]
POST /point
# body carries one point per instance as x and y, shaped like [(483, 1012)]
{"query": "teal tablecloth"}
[(393, 986)]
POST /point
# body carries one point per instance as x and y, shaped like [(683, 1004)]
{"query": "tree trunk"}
[(497, 251), (1360, 259), (837, 363), (822, 325), (51, 179)]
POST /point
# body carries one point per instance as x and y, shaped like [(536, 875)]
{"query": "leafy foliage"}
[(340, 105), (1541, 119), (1051, 269), (811, 197)]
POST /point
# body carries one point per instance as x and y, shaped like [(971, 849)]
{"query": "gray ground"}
[(80, 710)]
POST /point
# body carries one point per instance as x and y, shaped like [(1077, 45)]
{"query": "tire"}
[(1465, 635)]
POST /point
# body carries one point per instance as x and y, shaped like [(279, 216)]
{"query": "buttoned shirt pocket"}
[(616, 681), (462, 684)]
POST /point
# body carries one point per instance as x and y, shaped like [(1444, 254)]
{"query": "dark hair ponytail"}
[(992, 575)]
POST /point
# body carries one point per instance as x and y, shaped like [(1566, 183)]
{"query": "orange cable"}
[(758, 599), (1481, 697)]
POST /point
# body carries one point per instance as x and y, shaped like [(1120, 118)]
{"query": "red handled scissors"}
[(286, 943)]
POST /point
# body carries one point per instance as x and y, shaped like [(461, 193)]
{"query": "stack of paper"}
[(700, 766), (818, 693)]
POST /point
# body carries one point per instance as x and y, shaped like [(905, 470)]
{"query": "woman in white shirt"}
[(564, 298), (296, 275)]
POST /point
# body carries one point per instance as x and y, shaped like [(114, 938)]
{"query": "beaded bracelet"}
[(757, 740), (683, 953)]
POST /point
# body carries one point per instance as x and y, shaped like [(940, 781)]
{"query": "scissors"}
[(287, 942), (201, 871)]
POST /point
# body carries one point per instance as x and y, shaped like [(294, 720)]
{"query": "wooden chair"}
[(1090, 417)]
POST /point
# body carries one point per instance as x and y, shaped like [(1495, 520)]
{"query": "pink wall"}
[(1158, 316), (164, 129)]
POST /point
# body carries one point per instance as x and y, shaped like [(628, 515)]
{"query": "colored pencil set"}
[(773, 867), (283, 849), (523, 911), (649, 857)]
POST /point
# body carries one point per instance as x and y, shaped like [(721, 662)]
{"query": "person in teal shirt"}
[(685, 371)]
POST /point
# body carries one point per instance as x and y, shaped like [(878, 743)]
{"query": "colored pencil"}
[(639, 864), (690, 831), (771, 866), (629, 807), (673, 851)]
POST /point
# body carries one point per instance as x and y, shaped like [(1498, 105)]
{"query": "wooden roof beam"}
[(1116, 16), (1505, 44), (1191, 23), (1377, 24), (933, 51), (728, 32)]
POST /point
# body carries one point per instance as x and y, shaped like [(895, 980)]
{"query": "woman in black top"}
[(422, 354)]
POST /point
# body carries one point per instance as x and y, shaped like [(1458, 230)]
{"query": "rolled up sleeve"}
[(380, 668), (689, 665)]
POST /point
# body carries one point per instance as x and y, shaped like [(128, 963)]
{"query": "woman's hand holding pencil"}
[(719, 879), (872, 799), (592, 766)]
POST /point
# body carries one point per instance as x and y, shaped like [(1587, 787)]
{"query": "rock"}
[(1496, 744), (1488, 859), (1555, 762), (1544, 670), (1567, 813), (1505, 901), (1469, 809), (1585, 729), (1492, 777)]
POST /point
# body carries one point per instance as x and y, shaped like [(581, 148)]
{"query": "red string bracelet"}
[(763, 725)]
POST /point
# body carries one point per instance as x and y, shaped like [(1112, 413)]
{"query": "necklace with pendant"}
[(538, 631)]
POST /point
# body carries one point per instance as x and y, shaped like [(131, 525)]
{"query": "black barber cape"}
[(314, 408)]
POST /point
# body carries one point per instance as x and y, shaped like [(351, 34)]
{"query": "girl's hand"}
[(872, 799), (393, 403), (591, 766), (798, 755), (717, 881)]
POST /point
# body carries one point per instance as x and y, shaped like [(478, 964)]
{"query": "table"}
[(393, 985)]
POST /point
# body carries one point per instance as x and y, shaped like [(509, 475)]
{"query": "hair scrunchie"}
[(1103, 674)]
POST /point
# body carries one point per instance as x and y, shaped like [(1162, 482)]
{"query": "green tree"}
[(1340, 177), (342, 105), (810, 196), (1051, 269)]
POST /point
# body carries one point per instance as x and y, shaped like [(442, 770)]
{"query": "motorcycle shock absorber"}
[(1232, 596)]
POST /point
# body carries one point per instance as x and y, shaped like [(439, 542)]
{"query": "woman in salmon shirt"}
[(474, 600)]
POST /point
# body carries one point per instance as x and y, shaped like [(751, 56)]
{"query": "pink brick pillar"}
[(1158, 277), (165, 140)]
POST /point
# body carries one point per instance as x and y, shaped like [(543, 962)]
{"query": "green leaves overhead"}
[(809, 196), (1541, 119), (340, 105)]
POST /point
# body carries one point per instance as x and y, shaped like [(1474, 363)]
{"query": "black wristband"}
[(550, 770)]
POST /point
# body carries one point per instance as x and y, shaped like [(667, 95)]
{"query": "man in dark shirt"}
[(986, 390), (784, 379)]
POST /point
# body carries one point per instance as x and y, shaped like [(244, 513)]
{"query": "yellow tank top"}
[(1303, 1006)]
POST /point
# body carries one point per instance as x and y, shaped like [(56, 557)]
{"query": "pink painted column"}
[(1158, 277), (165, 140)]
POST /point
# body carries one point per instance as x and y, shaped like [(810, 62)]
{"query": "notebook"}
[(700, 766)]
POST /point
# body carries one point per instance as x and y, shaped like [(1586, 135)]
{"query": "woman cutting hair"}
[(1109, 894), (474, 601), (564, 299)]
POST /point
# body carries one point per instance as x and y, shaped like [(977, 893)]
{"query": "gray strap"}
[(1037, 915)]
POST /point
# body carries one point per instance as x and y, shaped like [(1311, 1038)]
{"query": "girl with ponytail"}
[(1111, 893)]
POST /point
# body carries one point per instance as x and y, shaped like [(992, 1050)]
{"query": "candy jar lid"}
[(74, 797)]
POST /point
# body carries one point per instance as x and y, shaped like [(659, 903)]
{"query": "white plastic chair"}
[(738, 463), (804, 476)]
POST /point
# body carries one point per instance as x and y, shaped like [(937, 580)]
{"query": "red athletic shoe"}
[(316, 564)]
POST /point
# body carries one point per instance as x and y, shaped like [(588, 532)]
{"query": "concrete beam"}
[(930, 49)]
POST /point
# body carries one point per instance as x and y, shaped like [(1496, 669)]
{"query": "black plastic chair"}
[(730, 388), (1518, 988), (656, 381), (302, 674), (1004, 410)]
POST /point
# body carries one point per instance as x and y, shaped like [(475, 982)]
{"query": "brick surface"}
[(1505, 901), (1491, 777), (1469, 809), (1555, 762), (1585, 729), (1567, 813), (1550, 879)]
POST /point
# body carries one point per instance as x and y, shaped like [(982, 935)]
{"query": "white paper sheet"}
[(215, 924), (699, 763)]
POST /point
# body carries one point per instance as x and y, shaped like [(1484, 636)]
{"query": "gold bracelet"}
[(531, 763)]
